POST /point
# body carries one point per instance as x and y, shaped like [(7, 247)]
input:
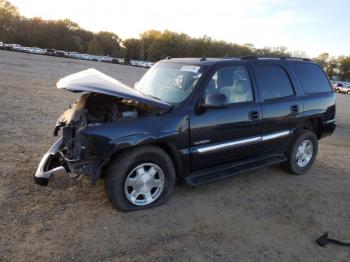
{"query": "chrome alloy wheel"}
[(304, 153), (144, 184)]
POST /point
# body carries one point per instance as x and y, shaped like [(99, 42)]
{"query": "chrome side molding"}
[(275, 135), (240, 142), (229, 144)]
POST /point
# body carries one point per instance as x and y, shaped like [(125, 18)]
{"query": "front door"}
[(228, 134)]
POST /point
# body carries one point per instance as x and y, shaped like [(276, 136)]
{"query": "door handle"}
[(254, 115), (294, 109)]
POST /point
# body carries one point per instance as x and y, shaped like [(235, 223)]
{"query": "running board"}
[(218, 173)]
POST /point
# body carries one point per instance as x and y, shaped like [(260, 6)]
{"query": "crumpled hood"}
[(92, 80)]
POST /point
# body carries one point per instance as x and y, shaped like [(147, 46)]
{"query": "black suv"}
[(197, 120)]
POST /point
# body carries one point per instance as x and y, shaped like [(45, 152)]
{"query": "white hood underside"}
[(92, 80)]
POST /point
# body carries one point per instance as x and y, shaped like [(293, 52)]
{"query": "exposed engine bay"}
[(95, 108), (89, 110)]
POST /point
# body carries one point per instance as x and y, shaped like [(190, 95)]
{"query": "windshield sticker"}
[(189, 68)]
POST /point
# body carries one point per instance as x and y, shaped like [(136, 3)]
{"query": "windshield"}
[(170, 82)]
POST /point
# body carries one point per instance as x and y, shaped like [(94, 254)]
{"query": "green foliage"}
[(155, 45), (58, 34), (152, 45), (95, 47), (337, 68), (344, 67)]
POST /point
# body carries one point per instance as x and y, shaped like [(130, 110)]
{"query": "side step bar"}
[(218, 173)]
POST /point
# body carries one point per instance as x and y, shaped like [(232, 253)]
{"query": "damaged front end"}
[(77, 154), (46, 167)]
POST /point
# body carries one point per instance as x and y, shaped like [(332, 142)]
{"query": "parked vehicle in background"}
[(60, 53), (74, 55), (68, 54), (85, 57), (115, 61), (106, 59), (12, 47), (37, 50), (25, 49), (198, 120), (341, 88), (50, 52), (127, 61), (94, 58)]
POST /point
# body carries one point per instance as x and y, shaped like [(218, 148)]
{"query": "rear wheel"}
[(348, 92), (302, 152), (139, 178)]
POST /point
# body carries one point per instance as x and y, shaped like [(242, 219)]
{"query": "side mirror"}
[(215, 100)]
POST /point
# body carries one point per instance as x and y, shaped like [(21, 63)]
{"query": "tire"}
[(295, 164), (348, 92), (337, 91), (128, 167)]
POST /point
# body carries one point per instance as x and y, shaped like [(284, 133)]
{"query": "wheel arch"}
[(313, 124), (168, 147)]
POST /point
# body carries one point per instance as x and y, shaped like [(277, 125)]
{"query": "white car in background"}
[(85, 56), (106, 59), (74, 55), (95, 58), (25, 49), (37, 51), (342, 87), (13, 47)]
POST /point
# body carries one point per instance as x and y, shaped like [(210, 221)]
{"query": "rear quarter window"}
[(274, 82), (312, 78)]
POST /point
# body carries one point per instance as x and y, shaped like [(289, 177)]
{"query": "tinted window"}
[(232, 81), (312, 78), (274, 82)]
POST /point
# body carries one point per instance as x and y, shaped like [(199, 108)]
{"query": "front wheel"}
[(139, 178), (348, 92), (302, 152)]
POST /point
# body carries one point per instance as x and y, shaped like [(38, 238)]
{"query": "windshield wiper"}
[(151, 96)]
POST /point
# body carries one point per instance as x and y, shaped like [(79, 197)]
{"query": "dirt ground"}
[(266, 215)]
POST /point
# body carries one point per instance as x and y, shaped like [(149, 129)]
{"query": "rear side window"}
[(273, 82), (312, 78)]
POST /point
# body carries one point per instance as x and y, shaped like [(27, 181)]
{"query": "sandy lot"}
[(265, 215)]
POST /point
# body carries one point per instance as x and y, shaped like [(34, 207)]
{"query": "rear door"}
[(280, 104)]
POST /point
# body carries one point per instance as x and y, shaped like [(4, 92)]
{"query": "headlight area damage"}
[(106, 101)]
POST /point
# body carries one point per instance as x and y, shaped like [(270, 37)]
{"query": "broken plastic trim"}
[(41, 176)]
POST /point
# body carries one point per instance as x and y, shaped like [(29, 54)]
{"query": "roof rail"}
[(274, 57), (249, 57)]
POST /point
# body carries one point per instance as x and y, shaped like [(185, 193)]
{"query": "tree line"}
[(152, 45)]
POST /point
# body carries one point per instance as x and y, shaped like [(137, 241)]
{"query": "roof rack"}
[(249, 57), (274, 57)]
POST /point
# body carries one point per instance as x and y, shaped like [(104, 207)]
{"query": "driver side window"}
[(233, 82)]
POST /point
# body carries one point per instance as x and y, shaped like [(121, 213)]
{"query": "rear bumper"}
[(43, 173)]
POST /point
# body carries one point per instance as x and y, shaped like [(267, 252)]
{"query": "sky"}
[(310, 26)]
